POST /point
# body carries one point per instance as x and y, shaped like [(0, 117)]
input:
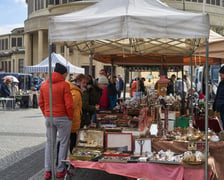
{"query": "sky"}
[(13, 13)]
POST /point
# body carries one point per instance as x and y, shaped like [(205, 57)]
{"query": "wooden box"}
[(90, 143), (118, 144)]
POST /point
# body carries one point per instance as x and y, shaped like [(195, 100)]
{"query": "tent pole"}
[(125, 79), (112, 72), (91, 64), (206, 113), (182, 93), (51, 110), (191, 87)]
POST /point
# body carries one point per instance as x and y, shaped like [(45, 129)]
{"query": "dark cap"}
[(60, 68), (221, 70)]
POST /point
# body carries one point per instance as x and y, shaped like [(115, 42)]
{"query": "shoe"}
[(47, 175), (61, 174)]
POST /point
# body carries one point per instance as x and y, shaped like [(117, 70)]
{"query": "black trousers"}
[(73, 137)]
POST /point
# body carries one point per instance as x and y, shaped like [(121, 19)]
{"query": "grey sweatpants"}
[(62, 125)]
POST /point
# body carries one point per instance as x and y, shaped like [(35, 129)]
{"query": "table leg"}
[(67, 166)]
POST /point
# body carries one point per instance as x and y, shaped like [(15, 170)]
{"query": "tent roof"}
[(130, 27), (43, 66), (216, 44)]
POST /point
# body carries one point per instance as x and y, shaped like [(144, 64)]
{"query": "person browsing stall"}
[(76, 87), (62, 117), (218, 104)]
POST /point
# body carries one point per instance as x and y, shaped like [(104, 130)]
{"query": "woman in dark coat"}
[(90, 102)]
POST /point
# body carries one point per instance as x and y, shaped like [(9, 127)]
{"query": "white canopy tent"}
[(130, 27), (43, 66), (216, 44), (137, 27)]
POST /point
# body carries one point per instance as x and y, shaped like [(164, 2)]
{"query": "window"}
[(6, 44), (13, 42), (51, 2), (3, 44), (71, 50), (13, 65), (6, 67), (30, 6), (10, 66), (57, 2), (87, 70), (42, 4), (21, 65), (108, 69), (36, 5), (19, 42), (62, 49), (64, 1)]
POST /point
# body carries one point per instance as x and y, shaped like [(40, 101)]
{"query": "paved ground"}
[(22, 137)]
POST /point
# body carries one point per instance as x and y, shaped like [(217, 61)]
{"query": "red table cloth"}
[(150, 171)]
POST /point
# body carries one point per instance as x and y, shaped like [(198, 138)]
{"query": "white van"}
[(198, 75), (213, 79)]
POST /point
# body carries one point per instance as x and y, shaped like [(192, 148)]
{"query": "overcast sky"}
[(13, 13)]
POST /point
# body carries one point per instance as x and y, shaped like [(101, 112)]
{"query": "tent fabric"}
[(130, 27), (216, 44), (43, 66), (128, 19)]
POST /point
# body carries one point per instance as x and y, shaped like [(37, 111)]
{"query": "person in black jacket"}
[(170, 87), (218, 104), (90, 102)]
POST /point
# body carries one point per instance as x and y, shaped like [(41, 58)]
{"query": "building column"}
[(40, 45), (28, 51)]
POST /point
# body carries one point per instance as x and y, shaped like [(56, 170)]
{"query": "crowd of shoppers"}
[(74, 106)]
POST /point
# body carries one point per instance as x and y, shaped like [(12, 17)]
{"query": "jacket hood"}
[(56, 77), (74, 87)]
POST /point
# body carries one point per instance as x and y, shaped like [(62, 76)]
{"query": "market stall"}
[(126, 28), (43, 66)]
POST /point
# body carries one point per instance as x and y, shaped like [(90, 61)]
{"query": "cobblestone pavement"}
[(22, 140), (22, 137)]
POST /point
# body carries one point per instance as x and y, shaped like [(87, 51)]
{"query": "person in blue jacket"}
[(4, 88), (218, 104)]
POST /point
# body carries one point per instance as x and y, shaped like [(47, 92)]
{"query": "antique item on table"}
[(153, 130), (142, 146), (162, 85), (114, 159), (89, 145), (196, 158), (165, 157), (196, 146), (118, 144), (221, 135)]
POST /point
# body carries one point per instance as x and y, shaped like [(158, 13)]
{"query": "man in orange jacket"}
[(62, 116)]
